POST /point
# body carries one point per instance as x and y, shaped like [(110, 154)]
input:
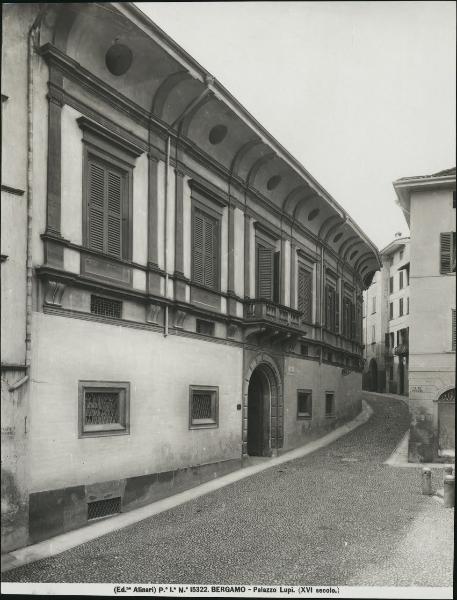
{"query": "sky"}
[(361, 93)]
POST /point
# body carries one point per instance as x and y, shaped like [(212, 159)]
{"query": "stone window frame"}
[(308, 414), (105, 146), (212, 423), (121, 428)]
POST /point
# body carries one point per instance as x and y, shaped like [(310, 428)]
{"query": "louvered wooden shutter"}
[(264, 272), (105, 206), (96, 206), (114, 214), (198, 274), (276, 275), (210, 250), (445, 252), (305, 293), (336, 302), (352, 320)]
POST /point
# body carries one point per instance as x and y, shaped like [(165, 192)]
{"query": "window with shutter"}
[(447, 252), (106, 205), (305, 293), (205, 250)]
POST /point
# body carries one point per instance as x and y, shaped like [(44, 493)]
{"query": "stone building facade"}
[(386, 322), (178, 291), (428, 203)]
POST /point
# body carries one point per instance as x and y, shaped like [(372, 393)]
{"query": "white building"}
[(428, 203)]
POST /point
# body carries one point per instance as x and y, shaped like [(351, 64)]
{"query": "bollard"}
[(449, 493), (426, 481)]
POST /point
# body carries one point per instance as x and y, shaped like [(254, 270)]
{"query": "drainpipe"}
[(29, 262), (165, 221)]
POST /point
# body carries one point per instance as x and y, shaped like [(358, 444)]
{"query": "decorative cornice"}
[(113, 138), (213, 194)]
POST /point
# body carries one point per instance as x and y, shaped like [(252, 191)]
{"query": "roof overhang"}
[(404, 186)]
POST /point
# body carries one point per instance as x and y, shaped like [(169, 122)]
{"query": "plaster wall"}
[(159, 371)]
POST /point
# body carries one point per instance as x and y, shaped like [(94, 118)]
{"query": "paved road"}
[(337, 516)]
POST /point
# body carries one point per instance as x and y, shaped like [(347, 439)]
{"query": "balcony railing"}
[(265, 310), (401, 350)]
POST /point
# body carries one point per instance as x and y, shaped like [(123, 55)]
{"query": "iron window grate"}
[(105, 307), (103, 508), (201, 406), (329, 405), (304, 350), (304, 404), (101, 408)]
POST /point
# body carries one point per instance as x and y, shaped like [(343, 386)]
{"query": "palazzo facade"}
[(178, 292)]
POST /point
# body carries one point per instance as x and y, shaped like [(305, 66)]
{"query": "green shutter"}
[(264, 272)]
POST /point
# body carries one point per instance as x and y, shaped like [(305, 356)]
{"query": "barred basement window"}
[(205, 327), (105, 307), (304, 404), (329, 404), (103, 508), (203, 407), (103, 408)]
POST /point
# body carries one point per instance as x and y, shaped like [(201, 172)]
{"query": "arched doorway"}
[(446, 423), (259, 410), (373, 369), (263, 408)]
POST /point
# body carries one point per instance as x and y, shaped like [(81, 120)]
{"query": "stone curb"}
[(66, 541)]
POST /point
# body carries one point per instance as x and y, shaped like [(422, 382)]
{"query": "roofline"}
[(131, 10), (394, 243)]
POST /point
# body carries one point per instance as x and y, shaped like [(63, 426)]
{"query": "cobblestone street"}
[(337, 516)]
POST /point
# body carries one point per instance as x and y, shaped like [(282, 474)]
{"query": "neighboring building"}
[(386, 322), (178, 291), (428, 203)]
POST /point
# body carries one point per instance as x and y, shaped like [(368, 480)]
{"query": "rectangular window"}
[(373, 334), (103, 408), (391, 285), (205, 327), (391, 373), (400, 255), (453, 331), (329, 404), (107, 213), (203, 407), (391, 310), (447, 252), (401, 280), (304, 349), (205, 250), (400, 308), (304, 404), (392, 339), (105, 307), (407, 305), (305, 293), (373, 305)]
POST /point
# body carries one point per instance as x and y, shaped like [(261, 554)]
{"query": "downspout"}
[(29, 260), (165, 226)]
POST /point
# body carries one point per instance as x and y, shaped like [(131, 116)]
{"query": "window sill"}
[(104, 433), (304, 417)]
